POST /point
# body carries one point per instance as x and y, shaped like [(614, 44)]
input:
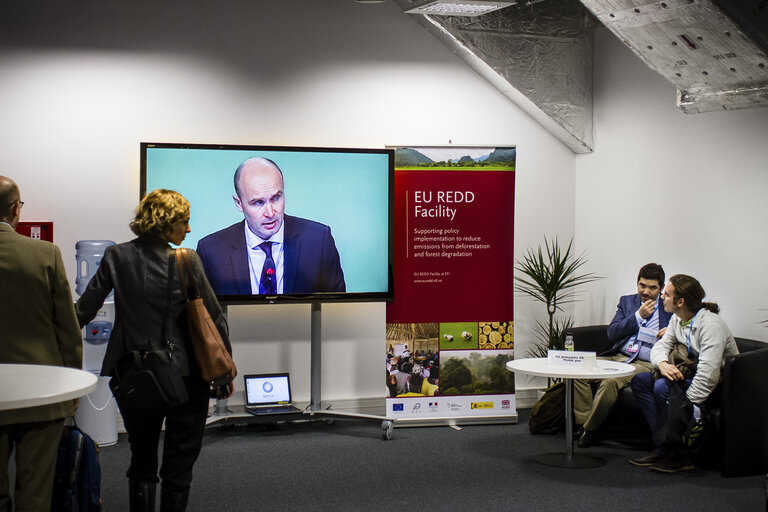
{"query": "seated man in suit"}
[(269, 252), (639, 322)]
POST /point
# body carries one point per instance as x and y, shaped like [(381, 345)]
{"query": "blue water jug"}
[(88, 254)]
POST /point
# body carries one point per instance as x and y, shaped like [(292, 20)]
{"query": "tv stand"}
[(315, 406)]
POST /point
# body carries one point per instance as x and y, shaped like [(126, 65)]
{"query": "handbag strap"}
[(182, 261), (168, 320)]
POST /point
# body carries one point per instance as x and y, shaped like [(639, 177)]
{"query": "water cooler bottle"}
[(97, 413)]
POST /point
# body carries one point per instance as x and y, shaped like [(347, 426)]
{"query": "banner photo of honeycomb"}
[(495, 335)]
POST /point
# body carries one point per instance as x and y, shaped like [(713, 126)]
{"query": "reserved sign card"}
[(585, 360)]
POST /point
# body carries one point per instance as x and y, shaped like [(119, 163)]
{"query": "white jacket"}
[(710, 338)]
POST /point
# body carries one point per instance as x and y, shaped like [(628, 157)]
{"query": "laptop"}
[(268, 393)]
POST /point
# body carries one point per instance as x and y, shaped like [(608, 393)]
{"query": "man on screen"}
[(269, 252)]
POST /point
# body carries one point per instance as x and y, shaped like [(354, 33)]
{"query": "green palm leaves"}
[(550, 275)]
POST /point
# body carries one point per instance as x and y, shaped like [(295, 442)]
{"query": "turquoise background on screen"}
[(346, 191)]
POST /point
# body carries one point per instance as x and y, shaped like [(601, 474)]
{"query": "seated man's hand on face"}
[(647, 308)]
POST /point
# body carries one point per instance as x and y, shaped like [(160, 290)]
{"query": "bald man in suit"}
[(269, 252), (38, 326)]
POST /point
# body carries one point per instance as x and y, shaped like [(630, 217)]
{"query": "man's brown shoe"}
[(650, 459), (673, 464)]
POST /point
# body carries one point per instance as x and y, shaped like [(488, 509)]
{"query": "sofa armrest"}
[(747, 345), (744, 417), (590, 338)]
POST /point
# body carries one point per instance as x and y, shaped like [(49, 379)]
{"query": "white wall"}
[(686, 191), (81, 85)]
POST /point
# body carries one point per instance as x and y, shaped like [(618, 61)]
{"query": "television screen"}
[(280, 223)]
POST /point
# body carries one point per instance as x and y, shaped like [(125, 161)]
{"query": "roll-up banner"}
[(449, 328)]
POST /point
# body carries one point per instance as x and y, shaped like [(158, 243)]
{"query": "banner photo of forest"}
[(425, 364), (449, 329)]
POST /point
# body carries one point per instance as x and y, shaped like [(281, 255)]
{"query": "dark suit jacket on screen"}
[(37, 316), (624, 324), (311, 260)]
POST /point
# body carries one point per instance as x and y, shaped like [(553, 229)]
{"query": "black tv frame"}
[(296, 298)]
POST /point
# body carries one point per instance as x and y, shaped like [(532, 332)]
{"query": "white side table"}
[(30, 385), (540, 367)]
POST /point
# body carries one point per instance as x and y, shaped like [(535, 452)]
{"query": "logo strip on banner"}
[(449, 328)]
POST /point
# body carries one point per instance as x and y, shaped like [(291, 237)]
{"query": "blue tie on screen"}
[(268, 283)]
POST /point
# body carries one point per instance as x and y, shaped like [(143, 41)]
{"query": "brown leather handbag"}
[(216, 364)]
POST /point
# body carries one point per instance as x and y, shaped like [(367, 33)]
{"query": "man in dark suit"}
[(269, 252), (640, 320), (37, 326)]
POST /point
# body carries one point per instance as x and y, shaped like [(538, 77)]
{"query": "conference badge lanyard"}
[(645, 336), (632, 348), (691, 351)]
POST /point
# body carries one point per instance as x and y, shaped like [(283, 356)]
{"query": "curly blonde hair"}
[(158, 211)]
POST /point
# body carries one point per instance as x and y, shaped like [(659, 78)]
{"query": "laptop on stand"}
[(268, 393)]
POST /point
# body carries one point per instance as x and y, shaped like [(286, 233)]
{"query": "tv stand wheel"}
[(386, 430)]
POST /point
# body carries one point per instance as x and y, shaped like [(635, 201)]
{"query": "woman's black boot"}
[(173, 500), (141, 496)]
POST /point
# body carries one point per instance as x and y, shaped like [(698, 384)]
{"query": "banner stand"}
[(456, 422), (449, 327)]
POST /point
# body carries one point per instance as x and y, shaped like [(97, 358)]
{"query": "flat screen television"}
[(333, 241)]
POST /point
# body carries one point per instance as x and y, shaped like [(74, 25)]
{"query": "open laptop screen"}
[(267, 389)]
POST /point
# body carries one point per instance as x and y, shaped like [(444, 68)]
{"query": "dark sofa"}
[(743, 419)]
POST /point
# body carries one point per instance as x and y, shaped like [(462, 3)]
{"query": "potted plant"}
[(550, 275)]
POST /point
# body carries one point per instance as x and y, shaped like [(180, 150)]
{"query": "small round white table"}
[(540, 367), (30, 385)]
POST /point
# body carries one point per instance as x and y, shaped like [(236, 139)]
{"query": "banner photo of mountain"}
[(450, 326)]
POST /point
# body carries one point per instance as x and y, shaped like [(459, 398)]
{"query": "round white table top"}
[(30, 385), (540, 367)]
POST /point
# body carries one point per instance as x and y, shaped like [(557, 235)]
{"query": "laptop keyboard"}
[(273, 410)]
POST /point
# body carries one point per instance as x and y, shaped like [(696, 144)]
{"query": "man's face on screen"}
[(261, 198)]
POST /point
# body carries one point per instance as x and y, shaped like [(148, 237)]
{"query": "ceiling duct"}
[(459, 7), (714, 52), (538, 53)]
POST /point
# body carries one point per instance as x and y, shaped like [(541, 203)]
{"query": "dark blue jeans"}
[(653, 397), (184, 429)]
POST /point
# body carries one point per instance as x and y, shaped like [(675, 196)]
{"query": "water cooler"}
[(97, 413)]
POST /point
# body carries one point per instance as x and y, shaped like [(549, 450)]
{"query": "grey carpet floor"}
[(347, 466)]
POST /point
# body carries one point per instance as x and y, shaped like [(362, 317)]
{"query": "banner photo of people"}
[(449, 328)]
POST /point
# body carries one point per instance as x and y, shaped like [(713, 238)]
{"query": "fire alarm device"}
[(36, 230)]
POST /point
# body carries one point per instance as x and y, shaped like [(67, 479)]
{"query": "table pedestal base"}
[(562, 460), (540, 367)]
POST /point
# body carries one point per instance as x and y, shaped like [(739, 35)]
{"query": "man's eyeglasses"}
[(21, 203)]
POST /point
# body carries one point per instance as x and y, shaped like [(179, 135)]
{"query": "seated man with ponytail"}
[(698, 339)]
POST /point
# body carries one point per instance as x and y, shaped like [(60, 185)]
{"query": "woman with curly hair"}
[(150, 314)]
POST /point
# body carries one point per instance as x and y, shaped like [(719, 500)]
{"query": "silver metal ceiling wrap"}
[(716, 57), (539, 53)]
